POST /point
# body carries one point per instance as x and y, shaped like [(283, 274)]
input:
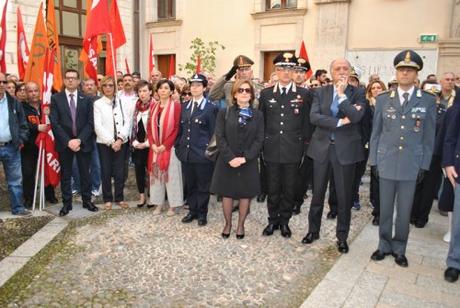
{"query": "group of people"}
[(240, 140)]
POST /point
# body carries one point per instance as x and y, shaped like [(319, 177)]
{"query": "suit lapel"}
[(65, 104), (79, 101), (328, 95)]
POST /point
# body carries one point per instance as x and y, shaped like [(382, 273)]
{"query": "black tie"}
[(195, 106), (283, 91), (406, 99)]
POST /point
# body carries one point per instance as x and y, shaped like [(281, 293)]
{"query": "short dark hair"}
[(136, 74), (19, 85), (163, 81), (320, 72), (142, 83), (71, 70), (127, 75)]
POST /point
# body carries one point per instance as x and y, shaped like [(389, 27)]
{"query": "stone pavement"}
[(133, 258), (357, 281)]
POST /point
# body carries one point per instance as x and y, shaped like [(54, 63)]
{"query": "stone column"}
[(331, 30)]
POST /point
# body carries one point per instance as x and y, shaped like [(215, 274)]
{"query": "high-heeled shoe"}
[(240, 236), (225, 235)]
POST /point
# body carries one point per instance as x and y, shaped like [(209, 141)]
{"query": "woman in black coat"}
[(239, 134)]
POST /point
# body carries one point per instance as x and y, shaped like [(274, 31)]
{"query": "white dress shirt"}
[(401, 92)]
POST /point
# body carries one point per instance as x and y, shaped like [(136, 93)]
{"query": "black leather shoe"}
[(261, 198), (342, 246), (296, 210), (451, 274), (188, 218), (401, 260), (202, 222), (285, 231), (413, 220), (310, 238), (139, 205), (64, 211), (52, 200), (331, 215), (90, 207), (269, 229), (419, 224), (375, 220), (378, 255)]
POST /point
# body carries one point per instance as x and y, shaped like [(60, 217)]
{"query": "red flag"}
[(23, 49), (303, 54), (198, 64), (151, 56), (3, 40), (97, 21), (46, 139), (118, 34), (127, 66), (90, 49), (172, 66)]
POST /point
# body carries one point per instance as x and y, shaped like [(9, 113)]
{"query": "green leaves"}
[(206, 51)]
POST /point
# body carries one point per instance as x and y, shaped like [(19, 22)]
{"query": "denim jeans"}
[(453, 257), (10, 157), (94, 172)]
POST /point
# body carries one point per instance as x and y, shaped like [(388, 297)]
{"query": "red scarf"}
[(160, 161), (140, 107)]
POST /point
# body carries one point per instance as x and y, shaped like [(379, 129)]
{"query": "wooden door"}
[(269, 56), (163, 64)]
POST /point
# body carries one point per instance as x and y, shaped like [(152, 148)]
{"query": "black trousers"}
[(140, 158), (359, 172), (29, 159), (263, 175), (281, 191), (426, 191), (199, 176), (343, 186), (112, 165), (83, 161), (304, 178), (375, 193), (332, 199)]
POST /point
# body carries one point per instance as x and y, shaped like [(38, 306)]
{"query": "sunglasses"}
[(314, 85), (187, 94), (3, 81), (108, 85), (242, 90)]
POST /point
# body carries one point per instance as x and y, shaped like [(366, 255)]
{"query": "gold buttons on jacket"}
[(402, 126), (400, 147)]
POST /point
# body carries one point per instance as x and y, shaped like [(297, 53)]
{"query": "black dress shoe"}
[(270, 229), (285, 231), (64, 211), (419, 224), (310, 238), (378, 255), (261, 198), (149, 206), (52, 200), (342, 246), (375, 220), (188, 218), (401, 260), (202, 222), (451, 274), (90, 207), (296, 210), (331, 215), (413, 220)]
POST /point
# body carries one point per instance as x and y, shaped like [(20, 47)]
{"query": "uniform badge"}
[(391, 109), (393, 117), (419, 93), (418, 123), (296, 111), (272, 101)]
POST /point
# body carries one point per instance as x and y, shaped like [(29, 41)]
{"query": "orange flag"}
[(22, 49), (53, 43), (36, 65)]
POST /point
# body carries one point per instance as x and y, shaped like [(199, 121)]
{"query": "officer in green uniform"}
[(401, 147)]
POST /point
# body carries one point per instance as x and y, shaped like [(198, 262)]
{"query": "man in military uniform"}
[(305, 171), (286, 108), (335, 148), (401, 147)]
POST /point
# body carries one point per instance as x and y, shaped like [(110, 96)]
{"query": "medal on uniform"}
[(296, 111), (196, 120), (418, 122), (393, 117)]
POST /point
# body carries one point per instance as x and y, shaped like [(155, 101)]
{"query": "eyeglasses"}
[(108, 85), (3, 81), (242, 90), (314, 86), (71, 78), (187, 94)]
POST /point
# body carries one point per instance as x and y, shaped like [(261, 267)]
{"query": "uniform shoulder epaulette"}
[(429, 92)]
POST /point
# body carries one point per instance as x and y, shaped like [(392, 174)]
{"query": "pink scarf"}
[(159, 162)]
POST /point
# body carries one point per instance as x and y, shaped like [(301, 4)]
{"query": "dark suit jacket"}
[(451, 148), (61, 121), (348, 143)]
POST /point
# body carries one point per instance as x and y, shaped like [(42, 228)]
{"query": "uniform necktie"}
[(195, 106), (73, 113), (406, 98), (283, 93)]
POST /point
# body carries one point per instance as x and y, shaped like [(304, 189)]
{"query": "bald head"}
[(447, 82), (340, 69), (32, 92)]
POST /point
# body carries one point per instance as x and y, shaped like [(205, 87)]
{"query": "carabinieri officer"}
[(198, 119), (401, 147), (286, 110)]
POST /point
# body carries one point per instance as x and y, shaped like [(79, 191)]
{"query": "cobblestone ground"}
[(137, 259)]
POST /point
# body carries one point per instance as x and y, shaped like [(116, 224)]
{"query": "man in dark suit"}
[(73, 128), (335, 145), (285, 107), (451, 163)]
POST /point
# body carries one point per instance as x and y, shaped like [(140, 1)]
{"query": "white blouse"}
[(105, 114)]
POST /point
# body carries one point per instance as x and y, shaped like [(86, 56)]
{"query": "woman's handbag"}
[(212, 150)]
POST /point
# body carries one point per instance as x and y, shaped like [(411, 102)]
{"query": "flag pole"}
[(42, 183), (37, 173), (114, 54)]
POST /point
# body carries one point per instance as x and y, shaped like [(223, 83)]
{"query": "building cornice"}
[(279, 13), (331, 1), (164, 23)]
